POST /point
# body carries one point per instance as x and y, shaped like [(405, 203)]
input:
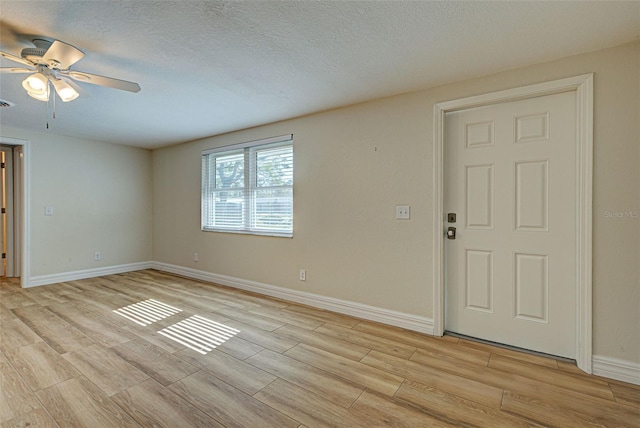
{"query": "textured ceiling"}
[(209, 67)]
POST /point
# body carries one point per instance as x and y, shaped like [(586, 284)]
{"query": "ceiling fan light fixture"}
[(40, 97), (64, 90), (36, 83), (48, 63)]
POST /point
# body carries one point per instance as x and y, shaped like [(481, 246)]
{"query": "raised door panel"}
[(479, 196), (531, 287), (532, 196), (479, 280)]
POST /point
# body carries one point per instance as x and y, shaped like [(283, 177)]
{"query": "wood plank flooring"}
[(230, 358)]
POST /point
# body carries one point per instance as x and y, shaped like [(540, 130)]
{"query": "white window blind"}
[(248, 188)]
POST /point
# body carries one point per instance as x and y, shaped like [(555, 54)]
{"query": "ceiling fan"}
[(50, 63)]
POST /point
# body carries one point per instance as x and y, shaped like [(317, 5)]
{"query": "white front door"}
[(510, 178)]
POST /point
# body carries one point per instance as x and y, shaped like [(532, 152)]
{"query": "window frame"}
[(250, 187)]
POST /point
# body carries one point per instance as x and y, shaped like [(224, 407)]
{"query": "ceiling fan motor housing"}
[(34, 55)]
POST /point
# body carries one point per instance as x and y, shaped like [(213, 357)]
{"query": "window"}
[(248, 188)]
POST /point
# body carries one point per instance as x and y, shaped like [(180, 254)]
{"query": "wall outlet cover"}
[(403, 212)]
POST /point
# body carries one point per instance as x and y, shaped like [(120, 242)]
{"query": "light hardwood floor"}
[(67, 359)]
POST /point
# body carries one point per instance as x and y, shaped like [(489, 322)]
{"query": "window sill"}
[(252, 232)]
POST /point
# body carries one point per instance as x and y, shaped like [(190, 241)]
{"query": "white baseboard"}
[(614, 368), (35, 281), (359, 310)]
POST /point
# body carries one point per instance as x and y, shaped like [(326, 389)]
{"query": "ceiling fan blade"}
[(109, 82), (62, 55), (14, 58), (16, 70)]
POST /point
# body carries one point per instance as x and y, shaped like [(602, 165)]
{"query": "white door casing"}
[(18, 158), (580, 87), (510, 178)]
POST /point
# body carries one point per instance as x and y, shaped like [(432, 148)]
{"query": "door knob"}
[(451, 233)]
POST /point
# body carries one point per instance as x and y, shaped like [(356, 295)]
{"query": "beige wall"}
[(101, 195), (354, 165)]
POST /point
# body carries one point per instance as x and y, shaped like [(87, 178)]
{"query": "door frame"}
[(25, 201), (583, 87)]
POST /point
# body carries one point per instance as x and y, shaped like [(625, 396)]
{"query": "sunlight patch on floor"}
[(147, 312), (198, 333)]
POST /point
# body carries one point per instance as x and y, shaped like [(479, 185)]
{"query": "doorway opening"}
[(14, 211)]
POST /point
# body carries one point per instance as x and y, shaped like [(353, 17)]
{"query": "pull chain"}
[(48, 90), (53, 103)]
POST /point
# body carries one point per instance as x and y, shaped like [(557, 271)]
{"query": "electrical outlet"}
[(403, 212), (196, 257), (48, 211), (97, 256), (303, 275)]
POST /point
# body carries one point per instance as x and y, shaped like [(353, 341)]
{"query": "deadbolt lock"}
[(451, 217)]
